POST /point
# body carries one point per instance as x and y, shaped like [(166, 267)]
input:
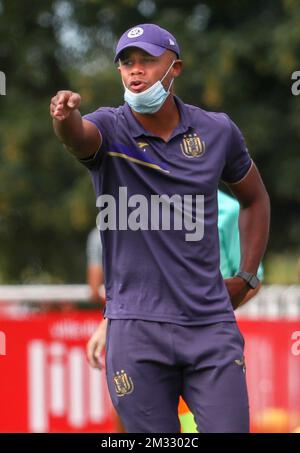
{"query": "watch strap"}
[(251, 279)]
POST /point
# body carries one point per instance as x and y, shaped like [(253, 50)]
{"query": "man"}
[(156, 162), (230, 257)]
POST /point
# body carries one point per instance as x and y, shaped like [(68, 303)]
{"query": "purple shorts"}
[(150, 364)]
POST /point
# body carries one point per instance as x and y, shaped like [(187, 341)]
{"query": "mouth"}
[(137, 86)]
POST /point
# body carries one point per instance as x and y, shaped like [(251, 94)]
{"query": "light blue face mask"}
[(150, 100)]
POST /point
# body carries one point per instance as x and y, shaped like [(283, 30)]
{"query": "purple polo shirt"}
[(156, 274)]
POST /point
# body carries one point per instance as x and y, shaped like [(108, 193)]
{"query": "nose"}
[(136, 69)]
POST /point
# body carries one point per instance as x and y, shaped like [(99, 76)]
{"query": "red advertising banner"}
[(46, 382), (272, 351)]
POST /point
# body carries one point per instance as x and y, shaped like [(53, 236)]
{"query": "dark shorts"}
[(150, 364)]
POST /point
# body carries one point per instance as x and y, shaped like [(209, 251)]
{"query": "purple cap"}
[(149, 37)]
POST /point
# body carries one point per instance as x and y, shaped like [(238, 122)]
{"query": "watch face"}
[(253, 282), (251, 279)]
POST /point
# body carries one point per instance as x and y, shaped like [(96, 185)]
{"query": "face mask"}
[(150, 100)]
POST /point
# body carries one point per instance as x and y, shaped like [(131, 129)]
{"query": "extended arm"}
[(82, 138)]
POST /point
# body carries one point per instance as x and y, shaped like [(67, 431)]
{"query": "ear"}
[(177, 68), (119, 65)]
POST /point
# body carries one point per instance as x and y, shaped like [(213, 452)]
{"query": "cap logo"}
[(171, 42), (134, 32)]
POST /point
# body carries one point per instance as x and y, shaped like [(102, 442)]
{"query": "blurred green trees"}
[(239, 57)]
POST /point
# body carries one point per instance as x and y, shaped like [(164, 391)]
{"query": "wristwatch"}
[(251, 279)]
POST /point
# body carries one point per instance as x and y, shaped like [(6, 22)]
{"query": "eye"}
[(126, 63)]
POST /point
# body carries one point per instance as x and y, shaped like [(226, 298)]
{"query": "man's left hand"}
[(239, 291)]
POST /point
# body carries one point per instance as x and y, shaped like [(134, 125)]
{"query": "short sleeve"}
[(104, 120), (94, 248), (238, 160)]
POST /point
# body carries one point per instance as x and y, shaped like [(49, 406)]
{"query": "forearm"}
[(71, 132), (82, 138), (254, 221)]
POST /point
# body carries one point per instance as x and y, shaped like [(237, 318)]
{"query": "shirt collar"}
[(138, 130)]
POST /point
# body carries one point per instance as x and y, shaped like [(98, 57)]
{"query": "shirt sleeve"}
[(94, 248), (238, 160), (103, 119)]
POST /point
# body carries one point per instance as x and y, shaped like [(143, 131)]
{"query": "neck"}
[(162, 122)]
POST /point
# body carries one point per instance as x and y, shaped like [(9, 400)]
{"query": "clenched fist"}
[(63, 103), (239, 291)]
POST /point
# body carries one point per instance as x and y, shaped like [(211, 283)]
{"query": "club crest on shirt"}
[(123, 383), (192, 145), (142, 145)]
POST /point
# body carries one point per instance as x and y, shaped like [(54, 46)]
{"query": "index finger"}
[(63, 96)]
